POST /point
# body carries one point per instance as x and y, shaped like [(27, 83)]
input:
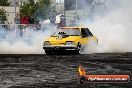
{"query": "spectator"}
[(23, 20), (26, 20), (17, 19), (1, 19), (31, 20)]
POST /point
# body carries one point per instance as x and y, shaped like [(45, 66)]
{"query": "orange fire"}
[(81, 71)]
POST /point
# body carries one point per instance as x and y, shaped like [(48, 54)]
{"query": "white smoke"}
[(114, 29), (30, 43)]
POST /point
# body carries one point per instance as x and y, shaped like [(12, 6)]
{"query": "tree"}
[(43, 10), (39, 10), (3, 16), (4, 3), (28, 8), (46, 11)]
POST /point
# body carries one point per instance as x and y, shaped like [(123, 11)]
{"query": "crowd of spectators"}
[(24, 19), (25, 23)]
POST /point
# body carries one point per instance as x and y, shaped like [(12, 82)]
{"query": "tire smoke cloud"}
[(113, 29), (30, 43)]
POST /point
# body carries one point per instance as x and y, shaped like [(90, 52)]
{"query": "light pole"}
[(76, 11), (76, 5), (15, 7)]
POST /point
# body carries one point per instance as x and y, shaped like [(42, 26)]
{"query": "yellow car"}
[(73, 39)]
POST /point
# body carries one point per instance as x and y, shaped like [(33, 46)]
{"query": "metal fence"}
[(19, 26), (18, 30)]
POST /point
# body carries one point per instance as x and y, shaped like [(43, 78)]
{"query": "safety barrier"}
[(17, 29), (19, 26)]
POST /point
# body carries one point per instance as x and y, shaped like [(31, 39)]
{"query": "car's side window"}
[(89, 33), (86, 32)]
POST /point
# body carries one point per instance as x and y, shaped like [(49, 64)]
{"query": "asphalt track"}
[(60, 71)]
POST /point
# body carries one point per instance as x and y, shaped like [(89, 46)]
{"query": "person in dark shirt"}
[(31, 20)]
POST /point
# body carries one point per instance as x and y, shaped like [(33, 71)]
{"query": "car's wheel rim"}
[(79, 49)]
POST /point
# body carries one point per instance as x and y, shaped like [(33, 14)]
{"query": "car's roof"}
[(71, 27)]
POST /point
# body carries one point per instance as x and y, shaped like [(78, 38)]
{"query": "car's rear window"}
[(68, 31)]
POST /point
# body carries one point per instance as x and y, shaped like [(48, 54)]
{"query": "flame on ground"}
[(81, 71)]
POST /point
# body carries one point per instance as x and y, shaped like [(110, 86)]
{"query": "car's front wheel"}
[(48, 52), (78, 50)]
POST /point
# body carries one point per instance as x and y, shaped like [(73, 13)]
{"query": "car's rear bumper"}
[(59, 47)]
